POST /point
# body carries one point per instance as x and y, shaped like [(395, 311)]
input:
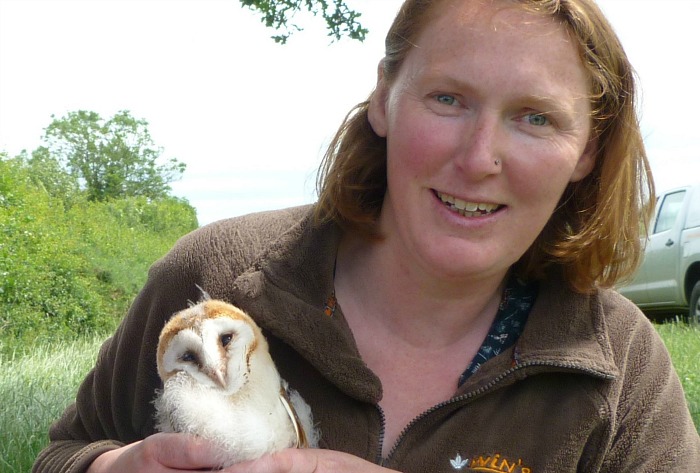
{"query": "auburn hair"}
[(593, 238)]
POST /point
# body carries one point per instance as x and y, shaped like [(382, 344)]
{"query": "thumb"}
[(184, 452)]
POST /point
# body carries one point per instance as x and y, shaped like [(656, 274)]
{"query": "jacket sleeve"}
[(652, 428)]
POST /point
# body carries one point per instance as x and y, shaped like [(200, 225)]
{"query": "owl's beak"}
[(218, 377)]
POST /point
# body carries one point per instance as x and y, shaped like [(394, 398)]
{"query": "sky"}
[(251, 118)]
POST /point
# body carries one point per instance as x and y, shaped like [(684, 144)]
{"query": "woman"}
[(443, 306)]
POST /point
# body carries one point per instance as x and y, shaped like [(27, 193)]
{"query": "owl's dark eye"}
[(226, 339), (189, 357)]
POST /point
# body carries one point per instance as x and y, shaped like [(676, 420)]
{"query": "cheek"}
[(540, 177), (554, 158), (418, 147)]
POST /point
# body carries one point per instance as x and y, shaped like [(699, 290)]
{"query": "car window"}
[(693, 219), (670, 208)]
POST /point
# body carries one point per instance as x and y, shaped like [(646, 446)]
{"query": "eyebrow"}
[(548, 103)]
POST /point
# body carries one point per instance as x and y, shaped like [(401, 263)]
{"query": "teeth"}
[(469, 209), (488, 207)]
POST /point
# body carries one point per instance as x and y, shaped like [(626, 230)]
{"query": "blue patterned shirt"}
[(517, 300)]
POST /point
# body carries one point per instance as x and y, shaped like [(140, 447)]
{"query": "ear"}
[(586, 162), (376, 112)]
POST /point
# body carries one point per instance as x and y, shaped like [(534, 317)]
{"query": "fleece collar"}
[(569, 329)]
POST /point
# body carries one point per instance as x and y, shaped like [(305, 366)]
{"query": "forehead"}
[(478, 39), (454, 22)]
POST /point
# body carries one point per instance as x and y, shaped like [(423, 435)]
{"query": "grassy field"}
[(683, 342), (36, 387)]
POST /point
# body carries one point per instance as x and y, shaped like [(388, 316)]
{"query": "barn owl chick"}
[(220, 383)]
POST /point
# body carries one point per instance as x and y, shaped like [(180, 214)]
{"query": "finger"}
[(286, 461), (307, 460)]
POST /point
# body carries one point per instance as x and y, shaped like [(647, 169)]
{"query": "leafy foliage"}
[(69, 265), (113, 158), (340, 20)]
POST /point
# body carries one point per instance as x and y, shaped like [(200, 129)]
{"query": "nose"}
[(480, 153)]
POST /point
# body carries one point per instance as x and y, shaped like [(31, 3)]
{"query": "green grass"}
[(683, 343), (36, 386)]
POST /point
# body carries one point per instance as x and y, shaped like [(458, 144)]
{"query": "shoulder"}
[(249, 233), (632, 340), (224, 249), (603, 327), (612, 317), (647, 399), (626, 324), (254, 231), (644, 364)]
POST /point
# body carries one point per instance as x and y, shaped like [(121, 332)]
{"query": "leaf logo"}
[(458, 463)]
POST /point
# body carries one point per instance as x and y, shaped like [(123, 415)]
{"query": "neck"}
[(375, 284)]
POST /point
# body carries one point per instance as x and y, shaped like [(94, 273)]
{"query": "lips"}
[(467, 209)]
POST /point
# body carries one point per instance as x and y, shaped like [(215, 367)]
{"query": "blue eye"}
[(537, 119), (446, 99)]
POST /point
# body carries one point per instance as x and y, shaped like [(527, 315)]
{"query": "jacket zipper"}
[(382, 422), (493, 383)]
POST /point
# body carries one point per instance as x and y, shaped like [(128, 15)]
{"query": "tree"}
[(113, 158), (340, 20), (46, 173)]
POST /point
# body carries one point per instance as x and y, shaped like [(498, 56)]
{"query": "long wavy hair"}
[(593, 238)]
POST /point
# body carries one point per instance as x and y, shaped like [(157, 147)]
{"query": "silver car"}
[(668, 281)]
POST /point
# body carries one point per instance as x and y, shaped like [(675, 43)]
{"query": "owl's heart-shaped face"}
[(220, 383), (209, 345)]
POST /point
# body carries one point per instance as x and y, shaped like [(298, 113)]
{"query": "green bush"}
[(69, 266)]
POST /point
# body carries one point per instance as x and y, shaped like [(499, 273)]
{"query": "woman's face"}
[(487, 121)]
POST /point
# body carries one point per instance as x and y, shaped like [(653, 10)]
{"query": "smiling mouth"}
[(467, 209)]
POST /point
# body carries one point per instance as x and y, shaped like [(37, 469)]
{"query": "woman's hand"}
[(158, 453), (178, 452), (307, 460)]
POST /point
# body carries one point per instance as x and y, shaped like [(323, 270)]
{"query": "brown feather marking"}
[(185, 318)]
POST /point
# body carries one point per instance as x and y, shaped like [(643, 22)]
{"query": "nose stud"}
[(497, 162)]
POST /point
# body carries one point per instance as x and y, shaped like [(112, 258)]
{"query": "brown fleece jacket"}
[(588, 387)]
